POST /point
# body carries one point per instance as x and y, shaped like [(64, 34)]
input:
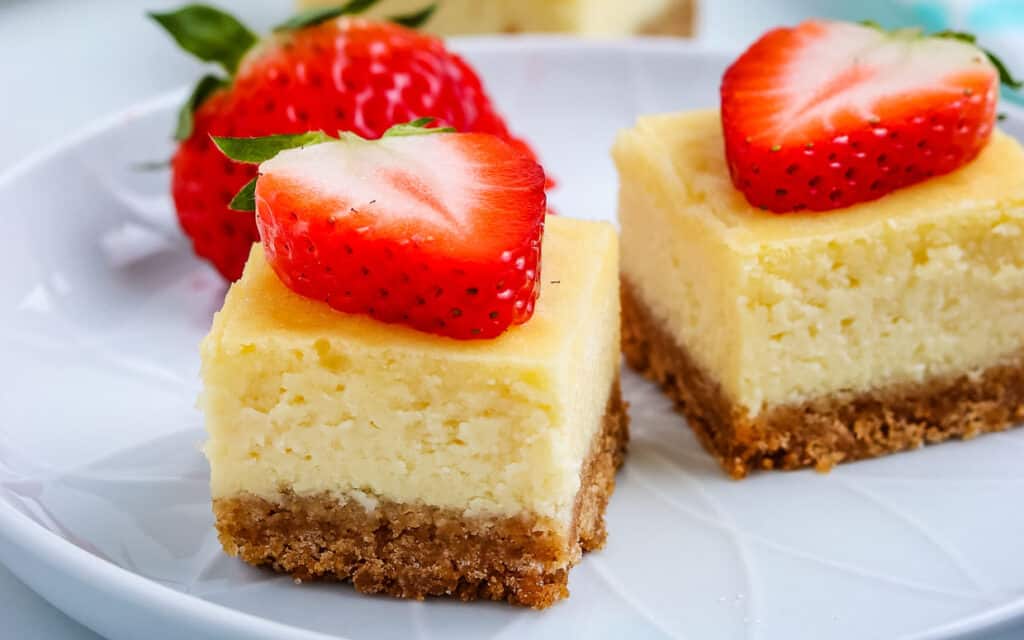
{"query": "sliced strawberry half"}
[(327, 69), (440, 232), (828, 114)]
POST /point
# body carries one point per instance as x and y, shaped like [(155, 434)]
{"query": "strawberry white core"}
[(425, 179), (848, 69)]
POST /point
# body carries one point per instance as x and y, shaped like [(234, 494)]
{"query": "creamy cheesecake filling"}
[(923, 284), (413, 550), (302, 399), (827, 430)]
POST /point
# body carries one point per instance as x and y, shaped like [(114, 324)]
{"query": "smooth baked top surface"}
[(924, 283), (259, 304), (692, 143)]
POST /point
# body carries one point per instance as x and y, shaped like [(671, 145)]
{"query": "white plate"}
[(103, 497)]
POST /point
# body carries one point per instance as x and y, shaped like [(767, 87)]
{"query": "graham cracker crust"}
[(415, 550), (826, 431)]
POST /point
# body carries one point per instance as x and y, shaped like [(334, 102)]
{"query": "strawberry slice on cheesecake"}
[(430, 228), (827, 114), (394, 394), (830, 268)]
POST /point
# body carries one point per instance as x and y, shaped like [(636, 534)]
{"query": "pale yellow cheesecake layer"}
[(299, 397), (925, 282), (582, 17)]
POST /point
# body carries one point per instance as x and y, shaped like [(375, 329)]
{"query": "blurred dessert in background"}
[(594, 18)]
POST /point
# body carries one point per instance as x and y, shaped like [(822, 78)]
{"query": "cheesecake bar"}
[(809, 339), (414, 464), (582, 17)]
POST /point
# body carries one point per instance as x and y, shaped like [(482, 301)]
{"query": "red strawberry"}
[(439, 231), (318, 71), (828, 114)]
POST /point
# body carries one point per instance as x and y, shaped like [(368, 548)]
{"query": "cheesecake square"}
[(598, 18), (412, 464), (809, 339)]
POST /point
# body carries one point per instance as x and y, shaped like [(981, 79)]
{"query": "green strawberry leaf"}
[(962, 36), (257, 150), (1005, 77), (209, 34), (416, 19), (186, 115), (311, 17), (416, 128), (245, 199)]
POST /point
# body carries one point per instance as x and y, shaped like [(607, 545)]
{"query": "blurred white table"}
[(58, 75), (64, 64)]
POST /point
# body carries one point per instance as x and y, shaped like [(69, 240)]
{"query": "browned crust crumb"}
[(823, 432), (414, 551)]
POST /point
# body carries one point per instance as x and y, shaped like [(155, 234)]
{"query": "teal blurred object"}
[(999, 24)]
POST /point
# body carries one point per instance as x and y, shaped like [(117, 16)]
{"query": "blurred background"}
[(68, 62)]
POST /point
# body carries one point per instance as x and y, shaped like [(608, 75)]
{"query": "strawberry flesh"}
[(440, 232), (345, 74), (827, 114)]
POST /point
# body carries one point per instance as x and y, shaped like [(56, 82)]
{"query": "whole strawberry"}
[(320, 70), (436, 230), (828, 114)]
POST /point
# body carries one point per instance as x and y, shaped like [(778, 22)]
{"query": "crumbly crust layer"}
[(826, 431), (414, 550)]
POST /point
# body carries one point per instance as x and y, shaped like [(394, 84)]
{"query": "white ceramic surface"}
[(103, 500)]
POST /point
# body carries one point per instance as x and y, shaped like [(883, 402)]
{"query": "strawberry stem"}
[(212, 36), (1005, 77), (257, 150), (206, 86), (312, 17), (416, 19), (245, 199), (209, 34), (419, 127)]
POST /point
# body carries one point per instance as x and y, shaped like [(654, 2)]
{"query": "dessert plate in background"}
[(104, 508)]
